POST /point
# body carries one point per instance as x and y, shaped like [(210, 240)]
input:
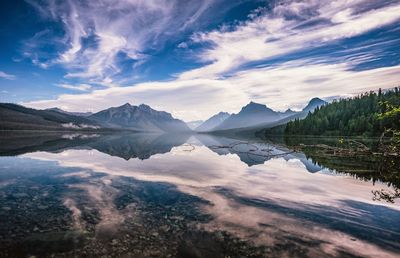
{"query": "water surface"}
[(191, 196)]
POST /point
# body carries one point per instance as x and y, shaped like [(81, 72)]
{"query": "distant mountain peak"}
[(313, 104), (213, 122), (317, 100), (126, 105), (55, 109), (145, 107), (289, 112), (141, 118), (252, 103), (59, 110), (223, 113), (251, 114), (253, 106)]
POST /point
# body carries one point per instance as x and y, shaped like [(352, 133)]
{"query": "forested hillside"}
[(369, 114), (16, 117)]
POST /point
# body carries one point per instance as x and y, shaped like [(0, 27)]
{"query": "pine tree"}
[(351, 117)]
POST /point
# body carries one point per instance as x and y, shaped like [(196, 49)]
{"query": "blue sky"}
[(195, 58)]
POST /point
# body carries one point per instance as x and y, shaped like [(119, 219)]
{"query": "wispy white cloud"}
[(288, 86), (36, 49), (182, 45), (311, 24), (129, 27), (7, 76), (80, 87), (222, 84)]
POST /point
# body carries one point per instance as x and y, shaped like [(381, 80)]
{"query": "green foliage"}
[(391, 113), (361, 165), (369, 114)]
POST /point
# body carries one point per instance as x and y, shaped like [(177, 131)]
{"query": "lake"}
[(151, 195)]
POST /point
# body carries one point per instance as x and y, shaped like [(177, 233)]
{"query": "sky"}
[(195, 58)]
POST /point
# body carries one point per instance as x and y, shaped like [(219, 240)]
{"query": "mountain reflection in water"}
[(184, 196)]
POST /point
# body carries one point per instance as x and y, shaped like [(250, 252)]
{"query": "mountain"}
[(16, 117), (285, 117), (363, 115), (140, 118), (83, 114), (313, 104), (194, 124), (250, 115), (278, 127), (213, 122), (289, 112), (144, 118)]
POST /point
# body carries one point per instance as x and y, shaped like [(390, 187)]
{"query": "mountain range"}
[(139, 118), (251, 114), (213, 122), (143, 118), (126, 117), (255, 116), (83, 114), (16, 117)]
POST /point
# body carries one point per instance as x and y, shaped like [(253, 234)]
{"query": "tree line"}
[(369, 114)]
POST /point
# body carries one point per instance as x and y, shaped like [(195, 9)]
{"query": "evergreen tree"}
[(358, 116)]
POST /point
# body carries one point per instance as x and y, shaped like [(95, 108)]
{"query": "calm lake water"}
[(140, 195)]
